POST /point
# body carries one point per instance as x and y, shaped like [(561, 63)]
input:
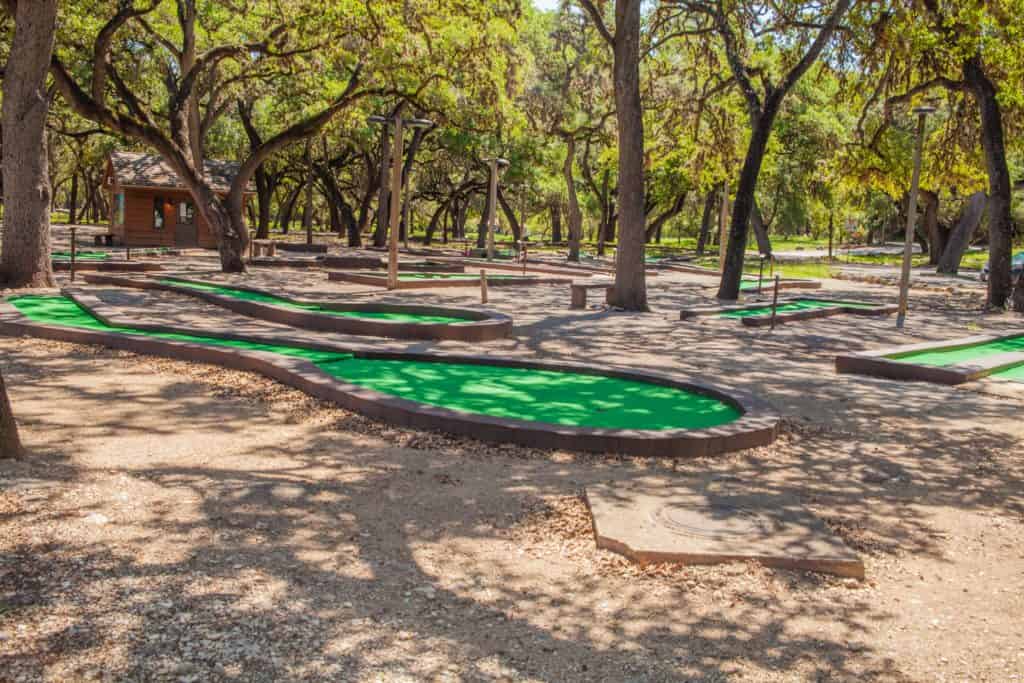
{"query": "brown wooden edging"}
[(286, 262), (378, 263), (478, 264), (108, 266), (881, 364), (767, 286), (480, 326), (789, 316), (758, 426), (381, 280), (579, 268), (301, 247)]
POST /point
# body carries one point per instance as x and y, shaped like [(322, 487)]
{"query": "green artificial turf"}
[(80, 255), (60, 310), (1016, 373), (954, 355), (767, 285), (247, 295), (791, 306), (564, 398)]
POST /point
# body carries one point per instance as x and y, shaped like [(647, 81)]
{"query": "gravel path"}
[(186, 523)]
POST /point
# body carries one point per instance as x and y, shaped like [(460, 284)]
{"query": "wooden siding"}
[(138, 229)]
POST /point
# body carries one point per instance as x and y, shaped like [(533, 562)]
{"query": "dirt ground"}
[(186, 523)]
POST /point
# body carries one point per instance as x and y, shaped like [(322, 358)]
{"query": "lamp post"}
[(908, 245), (496, 164), (395, 203)]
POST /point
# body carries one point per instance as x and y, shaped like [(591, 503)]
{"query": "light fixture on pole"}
[(495, 164), (395, 203), (908, 245)]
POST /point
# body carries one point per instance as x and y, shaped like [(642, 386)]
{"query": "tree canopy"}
[(623, 121)]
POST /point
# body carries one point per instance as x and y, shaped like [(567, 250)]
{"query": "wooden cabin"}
[(150, 207)]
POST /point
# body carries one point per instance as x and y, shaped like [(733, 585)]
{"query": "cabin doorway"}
[(186, 232)]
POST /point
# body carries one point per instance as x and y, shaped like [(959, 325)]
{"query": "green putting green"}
[(766, 285), (1016, 373), (80, 255), (792, 306), (953, 355), (553, 397), (247, 295)]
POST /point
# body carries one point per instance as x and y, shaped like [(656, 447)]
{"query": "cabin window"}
[(186, 212), (158, 213)]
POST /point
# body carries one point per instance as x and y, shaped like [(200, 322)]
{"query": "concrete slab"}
[(715, 523)]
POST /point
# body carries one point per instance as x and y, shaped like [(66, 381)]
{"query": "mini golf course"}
[(788, 310), (547, 405), (429, 280), (371, 319), (949, 362), (80, 255), (767, 286)]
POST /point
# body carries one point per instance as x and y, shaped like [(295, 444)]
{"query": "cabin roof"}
[(137, 169)]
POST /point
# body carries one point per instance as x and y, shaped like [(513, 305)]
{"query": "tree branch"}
[(598, 20)]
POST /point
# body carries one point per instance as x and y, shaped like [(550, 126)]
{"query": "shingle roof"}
[(150, 170)]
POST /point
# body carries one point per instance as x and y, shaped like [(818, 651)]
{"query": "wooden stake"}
[(73, 253), (775, 300), (483, 286)]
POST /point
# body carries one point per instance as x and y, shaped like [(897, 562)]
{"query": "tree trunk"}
[(630, 291), (606, 212), (10, 442), (438, 215), (510, 216), (380, 233), (355, 239), (764, 244), (26, 221), (460, 218), (1000, 221), (264, 193), (556, 221), (654, 228), (349, 223), (960, 238), (284, 218), (226, 221), (307, 209), (573, 214), (481, 233), (708, 218), (937, 234), (743, 206)]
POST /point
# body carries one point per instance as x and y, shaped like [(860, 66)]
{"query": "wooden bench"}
[(264, 248), (578, 291)]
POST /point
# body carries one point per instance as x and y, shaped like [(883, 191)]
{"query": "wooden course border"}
[(108, 266), (481, 264), (287, 262), (480, 326), (767, 286), (381, 280), (789, 316), (757, 426), (881, 364)]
